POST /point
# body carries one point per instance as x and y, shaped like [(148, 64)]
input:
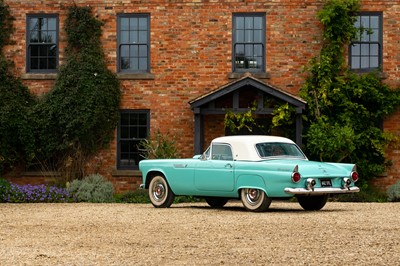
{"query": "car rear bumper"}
[(321, 191)]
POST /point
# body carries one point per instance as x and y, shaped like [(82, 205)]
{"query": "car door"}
[(215, 171)]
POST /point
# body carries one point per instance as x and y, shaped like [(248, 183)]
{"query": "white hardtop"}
[(243, 146)]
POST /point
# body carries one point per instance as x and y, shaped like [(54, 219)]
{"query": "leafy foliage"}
[(93, 188), (159, 147), (6, 24), (394, 192), (345, 110), (367, 194), (80, 114), (236, 122), (16, 141)]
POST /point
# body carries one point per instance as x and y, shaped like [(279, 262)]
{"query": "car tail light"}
[(354, 176), (296, 175)]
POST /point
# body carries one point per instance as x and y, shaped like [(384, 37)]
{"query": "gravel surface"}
[(194, 234)]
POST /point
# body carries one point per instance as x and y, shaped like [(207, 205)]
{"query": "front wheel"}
[(255, 199), (216, 202), (160, 193), (312, 203)]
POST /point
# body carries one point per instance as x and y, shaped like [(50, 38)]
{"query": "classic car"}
[(254, 169)]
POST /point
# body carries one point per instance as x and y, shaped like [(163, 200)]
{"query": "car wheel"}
[(254, 199), (312, 203), (216, 202), (160, 193)]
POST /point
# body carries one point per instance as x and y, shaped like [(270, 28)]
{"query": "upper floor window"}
[(133, 43), (133, 127), (365, 52), (42, 43), (248, 42)]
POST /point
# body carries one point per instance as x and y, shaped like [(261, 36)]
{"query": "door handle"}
[(228, 165)]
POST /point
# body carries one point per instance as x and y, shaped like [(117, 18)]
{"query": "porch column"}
[(198, 131), (299, 128)]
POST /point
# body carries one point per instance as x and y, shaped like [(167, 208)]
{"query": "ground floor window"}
[(133, 127)]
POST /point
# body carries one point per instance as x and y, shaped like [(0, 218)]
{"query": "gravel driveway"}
[(194, 234)]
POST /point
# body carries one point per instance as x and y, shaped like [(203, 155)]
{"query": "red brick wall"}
[(191, 43)]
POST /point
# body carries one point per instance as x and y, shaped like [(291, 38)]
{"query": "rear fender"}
[(251, 181)]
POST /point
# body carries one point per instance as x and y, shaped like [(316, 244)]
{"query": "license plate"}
[(326, 183)]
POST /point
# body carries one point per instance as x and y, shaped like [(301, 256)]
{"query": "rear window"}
[(277, 149)]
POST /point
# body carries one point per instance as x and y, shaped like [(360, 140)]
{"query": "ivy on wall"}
[(345, 110), (78, 117), (64, 128), (16, 140)]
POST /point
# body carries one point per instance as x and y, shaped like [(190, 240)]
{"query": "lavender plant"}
[(13, 193)]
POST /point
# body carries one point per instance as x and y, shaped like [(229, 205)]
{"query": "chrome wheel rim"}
[(253, 196), (158, 191)]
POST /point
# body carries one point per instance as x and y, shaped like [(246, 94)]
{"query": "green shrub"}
[(5, 187), (394, 192), (93, 188), (367, 194), (137, 196), (159, 147)]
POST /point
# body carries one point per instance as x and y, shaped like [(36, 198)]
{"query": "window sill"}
[(120, 173), (258, 75), (39, 76), (380, 74), (130, 76)]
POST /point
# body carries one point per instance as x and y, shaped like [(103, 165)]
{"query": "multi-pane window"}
[(42, 43), (133, 127), (248, 42), (365, 52), (133, 42)]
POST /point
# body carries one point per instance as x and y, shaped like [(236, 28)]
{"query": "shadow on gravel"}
[(273, 209)]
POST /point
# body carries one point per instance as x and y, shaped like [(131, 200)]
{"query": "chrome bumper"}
[(141, 186), (321, 191)]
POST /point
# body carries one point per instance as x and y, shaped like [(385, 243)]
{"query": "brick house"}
[(183, 63)]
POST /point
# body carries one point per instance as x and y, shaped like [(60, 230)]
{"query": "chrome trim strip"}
[(319, 191)]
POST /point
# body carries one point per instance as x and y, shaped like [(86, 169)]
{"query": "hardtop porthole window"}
[(133, 127), (133, 43), (42, 43), (365, 52), (248, 42)]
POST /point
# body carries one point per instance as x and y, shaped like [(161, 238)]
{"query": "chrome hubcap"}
[(159, 191), (253, 195)]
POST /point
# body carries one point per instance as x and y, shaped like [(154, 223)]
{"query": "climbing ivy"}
[(235, 122), (16, 141), (79, 115), (345, 110)]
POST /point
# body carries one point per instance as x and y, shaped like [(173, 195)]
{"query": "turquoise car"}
[(254, 169)]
